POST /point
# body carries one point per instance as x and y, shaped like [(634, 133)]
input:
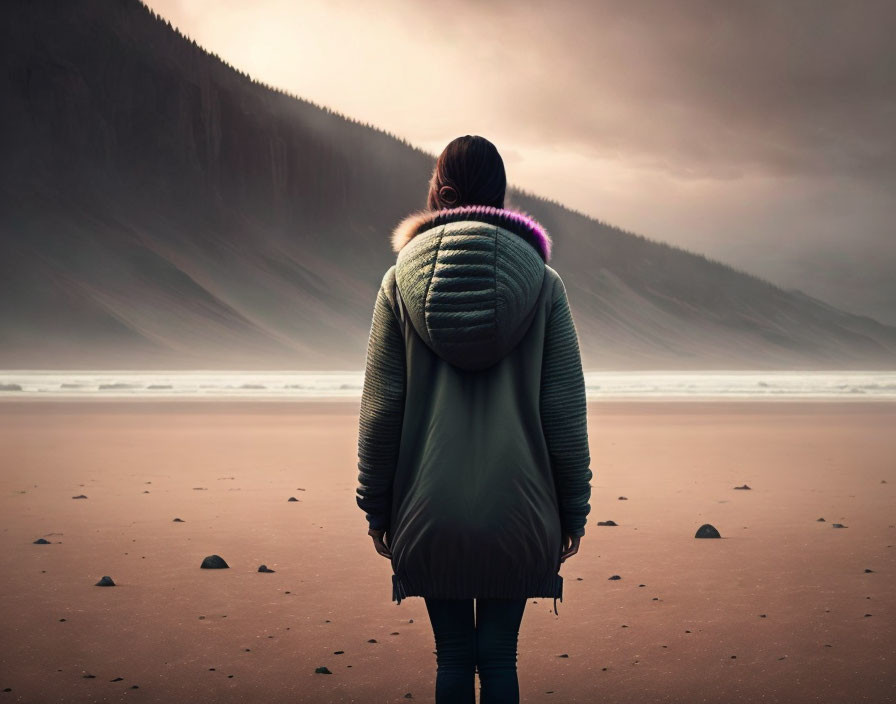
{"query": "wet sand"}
[(781, 609)]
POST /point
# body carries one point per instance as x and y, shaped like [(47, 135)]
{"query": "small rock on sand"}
[(106, 581), (742, 487), (292, 498), (837, 525), (265, 568), (707, 530), (178, 520), (323, 670), (79, 496), (214, 562), (607, 523), (41, 541)]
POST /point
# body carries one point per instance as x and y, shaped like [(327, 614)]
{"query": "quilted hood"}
[(468, 279)]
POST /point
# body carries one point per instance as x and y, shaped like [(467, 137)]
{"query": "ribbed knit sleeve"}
[(564, 415), (382, 411)]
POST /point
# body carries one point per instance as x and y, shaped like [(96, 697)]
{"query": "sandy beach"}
[(784, 608)]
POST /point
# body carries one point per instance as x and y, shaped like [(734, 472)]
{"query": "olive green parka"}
[(473, 445)]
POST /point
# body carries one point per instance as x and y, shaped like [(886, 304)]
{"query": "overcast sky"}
[(758, 133)]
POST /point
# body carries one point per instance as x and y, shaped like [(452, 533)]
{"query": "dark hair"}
[(469, 171)]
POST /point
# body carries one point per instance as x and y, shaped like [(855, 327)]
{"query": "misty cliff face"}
[(159, 209)]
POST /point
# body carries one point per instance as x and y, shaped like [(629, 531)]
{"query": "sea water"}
[(348, 385)]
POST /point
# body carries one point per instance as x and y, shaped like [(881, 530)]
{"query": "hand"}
[(570, 546), (378, 543)]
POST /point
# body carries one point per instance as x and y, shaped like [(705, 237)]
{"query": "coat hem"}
[(550, 587)]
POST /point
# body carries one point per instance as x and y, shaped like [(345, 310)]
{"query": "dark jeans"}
[(489, 645)]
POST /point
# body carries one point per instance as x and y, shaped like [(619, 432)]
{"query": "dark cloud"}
[(703, 89)]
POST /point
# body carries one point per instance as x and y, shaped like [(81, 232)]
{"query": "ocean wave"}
[(349, 384)]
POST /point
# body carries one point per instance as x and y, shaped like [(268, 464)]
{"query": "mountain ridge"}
[(163, 209)]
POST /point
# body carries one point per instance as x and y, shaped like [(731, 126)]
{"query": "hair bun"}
[(448, 194)]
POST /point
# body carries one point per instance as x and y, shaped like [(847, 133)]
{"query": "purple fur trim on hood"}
[(516, 221)]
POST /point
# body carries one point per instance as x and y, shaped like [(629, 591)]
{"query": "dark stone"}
[(106, 581), (88, 677), (323, 670), (214, 562), (117, 679), (79, 496), (338, 652), (265, 568), (394, 633), (838, 525), (615, 576), (607, 523), (178, 520), (408, 695), (563, 655), (41, 541), (707, 530), (372, 640), (819, 520), (742, 487), (292, 498), (868, 570), (623, 498)]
